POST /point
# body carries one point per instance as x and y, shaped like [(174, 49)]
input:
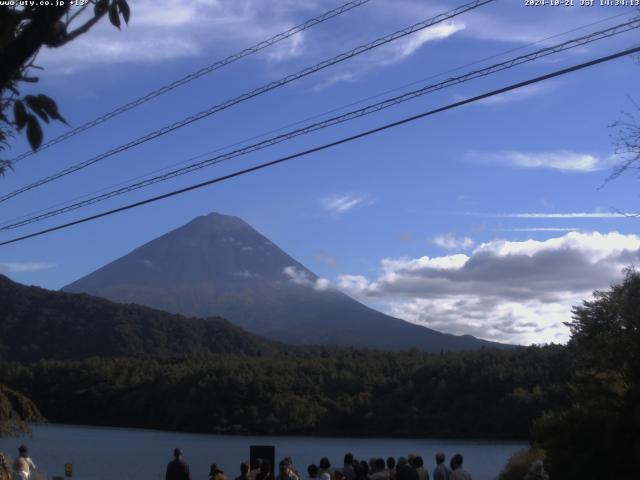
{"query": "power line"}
[(195, 75), (313, 117), (246, 96), (326, 146), (369, 109)]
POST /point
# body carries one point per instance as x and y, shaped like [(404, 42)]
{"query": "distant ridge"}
[(219, 265), (40, 324)]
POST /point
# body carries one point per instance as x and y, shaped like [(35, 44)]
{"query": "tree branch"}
[(81, 30)]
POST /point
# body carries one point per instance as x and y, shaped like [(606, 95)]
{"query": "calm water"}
[(120, 453)]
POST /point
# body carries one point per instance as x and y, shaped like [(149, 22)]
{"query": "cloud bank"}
[(510, 291), (562, 160)]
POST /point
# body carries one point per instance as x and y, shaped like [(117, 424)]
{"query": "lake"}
[(99, 453)]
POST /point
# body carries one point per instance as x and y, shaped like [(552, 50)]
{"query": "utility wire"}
[(369, 109), (195, 75), (312, 117), (326, 146), (306, 119), (246, 96)]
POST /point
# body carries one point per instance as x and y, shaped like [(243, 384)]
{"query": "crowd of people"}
[(22, 468), (411, 467)]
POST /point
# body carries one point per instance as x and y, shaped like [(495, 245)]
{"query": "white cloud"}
[(592, 215), (322, 284), (520, 94), (411, 44), (19, 267), (390, 54), (304, 278), (518, 26), (516, 291), (449, 242), (289, 48), (246, 274), (342, 203), (340, 77), (537, 229), (161, 30), (563, 160)]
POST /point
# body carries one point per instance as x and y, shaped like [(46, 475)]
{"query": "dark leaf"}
[(4, 166), (123, 6), (113, 15), (19, 114), (50, 106), (100, 7), (36, 106), (34, 132)]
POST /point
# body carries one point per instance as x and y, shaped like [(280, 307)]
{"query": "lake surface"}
[(99, 453)]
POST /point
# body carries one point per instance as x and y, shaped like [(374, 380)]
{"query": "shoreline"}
[(479, 439)]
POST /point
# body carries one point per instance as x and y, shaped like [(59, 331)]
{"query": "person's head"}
[(177, 452), (214, 469), (338, 475), (244, 468), (456, 461), (23, 451), (325, 464), (312, 470), (257, 463), (417, 462), (365, 467), (391, 463), (402, 461), (348, 459), (379, 465), (284, 466), (410, 458), (440, 458), (265, 467)]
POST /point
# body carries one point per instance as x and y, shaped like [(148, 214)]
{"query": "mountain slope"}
[(37, 323), (219, 265)]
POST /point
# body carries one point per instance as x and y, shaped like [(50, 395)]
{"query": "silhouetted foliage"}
[(595, 435), (24, 30), (519, 464), (627, 142), (16, 412)]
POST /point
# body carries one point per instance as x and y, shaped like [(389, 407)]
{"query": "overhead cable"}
[(195, 75), (246, 96), (367, 110), (326, 146)]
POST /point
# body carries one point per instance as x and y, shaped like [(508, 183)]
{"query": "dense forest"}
[(487, 393)]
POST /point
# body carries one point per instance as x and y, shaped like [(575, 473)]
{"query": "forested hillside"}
[(487, 393), (37, 323)]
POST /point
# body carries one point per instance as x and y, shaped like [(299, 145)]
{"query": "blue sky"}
[(488, 219)]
